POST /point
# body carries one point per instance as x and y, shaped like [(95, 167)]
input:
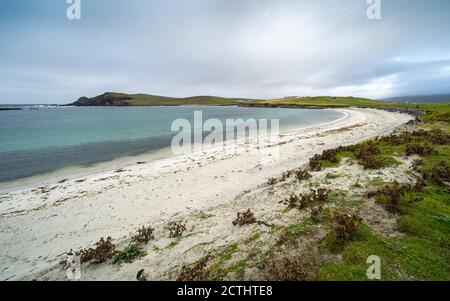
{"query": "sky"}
[(231, 48)]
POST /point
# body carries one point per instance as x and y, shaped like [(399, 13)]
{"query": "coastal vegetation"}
[(416, 249), (244, 218), (176, 229), (104, 249), (129, 254), (396, 206), (143, 236)]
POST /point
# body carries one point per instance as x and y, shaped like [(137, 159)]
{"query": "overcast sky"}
[(235, 48)]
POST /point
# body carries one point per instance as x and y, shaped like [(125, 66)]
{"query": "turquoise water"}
[(42, 140)]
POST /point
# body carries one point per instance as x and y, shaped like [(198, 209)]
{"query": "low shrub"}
[(198, 272), (320, 194), (244, 218), (330, 155), (367, 150), (346, 225), (398, 139), (418, 149), (299, 201), (285, 269), (103, 250), (292, 201), (420, 183), (286, 175), (314, 163), (272, 181), (144, 235), (316, 214), (302, 174), (302, 200), (176, 229), (371, 162), (440, 173), (367, 156), (392, 195), (438, 136)]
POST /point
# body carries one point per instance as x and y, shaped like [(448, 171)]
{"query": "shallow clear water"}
[(42, 140)]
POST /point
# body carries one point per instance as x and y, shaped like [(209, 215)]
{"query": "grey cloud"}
[(242, 48)]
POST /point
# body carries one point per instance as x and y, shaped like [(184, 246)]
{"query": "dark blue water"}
[(37, 141)]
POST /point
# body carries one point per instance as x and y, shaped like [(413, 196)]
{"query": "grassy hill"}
[(122, 99), (323, 101)]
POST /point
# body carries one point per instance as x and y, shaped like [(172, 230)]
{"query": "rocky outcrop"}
[(106, 99)]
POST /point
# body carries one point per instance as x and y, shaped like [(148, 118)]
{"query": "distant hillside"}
[(122, 99), (443, 98), (322, 101)]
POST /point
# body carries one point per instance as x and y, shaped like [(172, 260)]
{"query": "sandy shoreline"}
[(39, 225)]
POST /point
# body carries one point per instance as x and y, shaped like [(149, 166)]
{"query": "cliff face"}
[(106, 99)]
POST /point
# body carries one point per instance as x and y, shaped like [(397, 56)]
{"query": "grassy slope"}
[(155, 100), (320, 101), (422, 254), (324, 101), (196, 100), (436, 113)]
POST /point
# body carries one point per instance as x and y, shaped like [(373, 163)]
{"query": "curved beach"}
[(40, 224)]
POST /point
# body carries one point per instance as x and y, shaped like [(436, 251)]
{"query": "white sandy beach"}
[(39, 225)]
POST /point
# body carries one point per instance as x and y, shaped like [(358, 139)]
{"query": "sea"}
[(41, 139)]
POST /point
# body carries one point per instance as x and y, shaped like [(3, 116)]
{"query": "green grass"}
[(130, 254), (326, 101), (254, 238), (423, 253), (405, 258), (156, 100), (436, 112), (217, 268), (377, 182), (150, 100), (202, 244), (172, 244)]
